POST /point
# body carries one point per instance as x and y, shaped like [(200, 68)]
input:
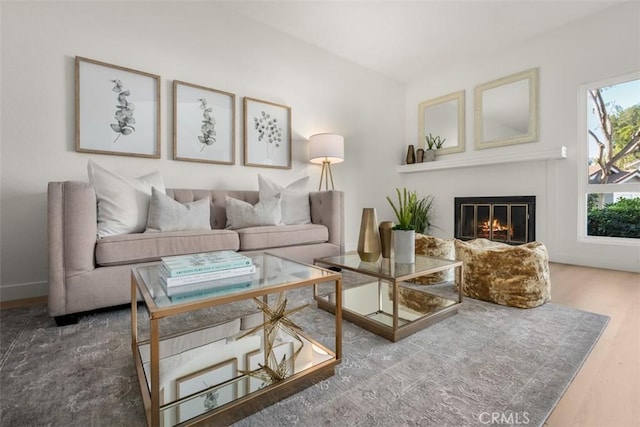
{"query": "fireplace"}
[(509, 219)]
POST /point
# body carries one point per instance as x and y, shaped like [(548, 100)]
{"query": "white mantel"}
[(554, 153)]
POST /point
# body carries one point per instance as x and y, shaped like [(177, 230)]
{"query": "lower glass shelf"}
[(208, 369)]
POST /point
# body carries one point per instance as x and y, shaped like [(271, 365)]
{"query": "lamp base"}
[(326, 173)]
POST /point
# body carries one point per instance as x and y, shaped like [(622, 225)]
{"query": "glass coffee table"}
[(230, 350), (387, 305)]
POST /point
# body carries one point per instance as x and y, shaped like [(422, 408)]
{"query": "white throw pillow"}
[(166, 214), (123, 203), (295, 199), (242, 214)]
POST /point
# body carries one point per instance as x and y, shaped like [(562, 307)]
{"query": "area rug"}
[(487, 365)]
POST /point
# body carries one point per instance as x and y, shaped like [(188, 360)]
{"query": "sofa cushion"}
[(295, 199), (150, 246), (123, 203), (253, 238), (166, 214), (242, 214)]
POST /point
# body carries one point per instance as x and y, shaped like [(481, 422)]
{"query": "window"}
[(610, 176)]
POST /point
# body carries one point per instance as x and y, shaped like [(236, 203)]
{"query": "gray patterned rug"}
[(487, 365)]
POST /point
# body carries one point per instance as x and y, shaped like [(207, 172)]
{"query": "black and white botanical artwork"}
[(208, 127), (117, 110), (267, 128), (203, 124), (124, 111), (269, 131)]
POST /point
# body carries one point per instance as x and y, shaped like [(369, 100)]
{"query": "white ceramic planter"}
[(404, 246)]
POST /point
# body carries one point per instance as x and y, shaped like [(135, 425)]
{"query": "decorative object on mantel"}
[(117, 110), (444, 116), (267, 134), (203, 124), (506, 110), (411, 155), (552, 153), (433, 143), (326, 148), (369, 239), (386, 246), (419, 155), (404, 232)]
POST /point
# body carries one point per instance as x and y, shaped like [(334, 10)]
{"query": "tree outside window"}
[(613, 199)]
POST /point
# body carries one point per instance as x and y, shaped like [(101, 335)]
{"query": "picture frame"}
[(506, 110), (252, 362), (203, 124), (267, 134), (443, 117), (117, 110), (203, 379)]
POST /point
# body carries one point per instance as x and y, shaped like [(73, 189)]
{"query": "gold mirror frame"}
[(423, 107), (531, 134)]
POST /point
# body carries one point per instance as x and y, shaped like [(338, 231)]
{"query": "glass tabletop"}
[(386, 268), (272, 273)]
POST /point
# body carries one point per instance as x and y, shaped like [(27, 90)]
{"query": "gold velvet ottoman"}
[(516, 276)]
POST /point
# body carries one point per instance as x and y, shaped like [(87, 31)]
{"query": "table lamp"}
[(326, 148)]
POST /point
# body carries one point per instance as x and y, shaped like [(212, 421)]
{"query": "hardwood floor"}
[(606, 391)]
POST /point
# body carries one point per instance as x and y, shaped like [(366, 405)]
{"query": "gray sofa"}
[(87, 273)]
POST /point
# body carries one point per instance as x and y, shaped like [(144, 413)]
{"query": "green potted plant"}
[(433, 143), (404, 233), (423, 214)]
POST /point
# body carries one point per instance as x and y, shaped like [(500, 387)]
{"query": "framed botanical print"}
[(117, 110), (267, 134), (204, 379), (203, 124)]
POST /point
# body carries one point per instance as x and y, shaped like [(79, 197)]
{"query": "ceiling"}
[(405, 39)]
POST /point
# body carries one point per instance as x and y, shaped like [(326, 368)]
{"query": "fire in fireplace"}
[(502, 219)]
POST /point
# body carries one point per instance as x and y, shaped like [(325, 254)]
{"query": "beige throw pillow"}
[(166, 214), (242, 214)]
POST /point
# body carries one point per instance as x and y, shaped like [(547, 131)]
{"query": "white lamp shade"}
[(326, 146)]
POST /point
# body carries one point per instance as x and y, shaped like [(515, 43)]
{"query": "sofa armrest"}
[(72, 230), (327, 208)]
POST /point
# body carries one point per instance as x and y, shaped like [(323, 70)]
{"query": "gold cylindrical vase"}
[(369, 240), (385, 238)]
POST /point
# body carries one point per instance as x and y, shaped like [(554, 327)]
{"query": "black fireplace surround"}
[(510, 219)]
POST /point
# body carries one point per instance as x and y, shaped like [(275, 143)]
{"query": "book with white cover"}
[(209, 286), (183, 265), (203, 277)]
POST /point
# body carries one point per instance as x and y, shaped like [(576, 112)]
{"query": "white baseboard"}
[(23, 291)]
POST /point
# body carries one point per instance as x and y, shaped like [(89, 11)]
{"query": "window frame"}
[(584, 187)]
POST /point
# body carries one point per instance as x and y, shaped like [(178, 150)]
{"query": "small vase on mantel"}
[(429, 155), (369, 240), (411, 155), (404, 246)]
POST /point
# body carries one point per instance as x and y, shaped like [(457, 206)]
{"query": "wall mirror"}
[(443, 117), (506, 110)]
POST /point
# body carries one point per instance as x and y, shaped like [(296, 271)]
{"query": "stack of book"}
[(196, 275)]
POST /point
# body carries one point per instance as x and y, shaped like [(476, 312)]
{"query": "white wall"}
[(201, 43), (598, 47)]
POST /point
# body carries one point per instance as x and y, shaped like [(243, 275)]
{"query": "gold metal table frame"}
[(276, 275), (386, 306)]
